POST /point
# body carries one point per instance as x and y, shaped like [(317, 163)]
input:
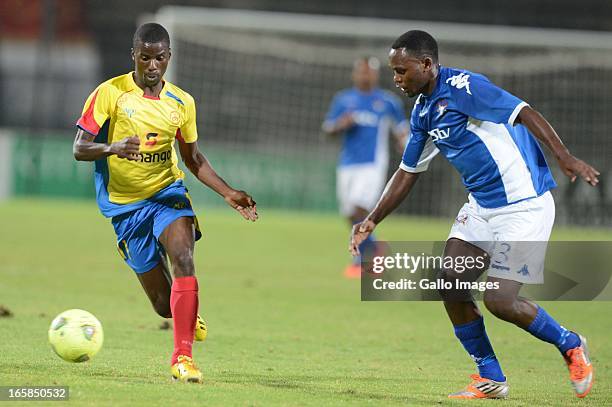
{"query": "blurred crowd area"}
[(54, 52), (51, 47)]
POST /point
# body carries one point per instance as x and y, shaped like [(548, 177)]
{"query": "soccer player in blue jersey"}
[(487, 134), (129, 126), (365, 116)]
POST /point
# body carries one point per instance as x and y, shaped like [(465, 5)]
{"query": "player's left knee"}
[(182, 264), (504, 308)]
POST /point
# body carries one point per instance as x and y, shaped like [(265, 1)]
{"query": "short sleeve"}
[(98, 108), (188, 130), (477, 97), (336, 108), (419, 152)]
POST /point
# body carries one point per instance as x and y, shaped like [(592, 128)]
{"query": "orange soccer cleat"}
[(580, 368), (482, 388), (352, 271)]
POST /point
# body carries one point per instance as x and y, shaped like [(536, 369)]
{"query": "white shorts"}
[(515, 236), (359, 186)]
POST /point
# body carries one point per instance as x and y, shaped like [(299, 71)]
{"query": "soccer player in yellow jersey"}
[(128, 127)]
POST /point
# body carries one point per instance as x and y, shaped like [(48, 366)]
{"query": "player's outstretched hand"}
[(128, 148), (360, 232), (345, 122), (243, 203), (574, 167)]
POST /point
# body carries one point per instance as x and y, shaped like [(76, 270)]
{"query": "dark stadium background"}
[(55, 52)]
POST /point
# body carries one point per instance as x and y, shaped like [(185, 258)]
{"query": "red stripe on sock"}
[(184, 307)]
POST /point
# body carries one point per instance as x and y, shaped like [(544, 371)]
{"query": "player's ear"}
[(427, 64)]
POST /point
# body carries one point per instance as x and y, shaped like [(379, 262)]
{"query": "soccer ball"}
[(76, 335)]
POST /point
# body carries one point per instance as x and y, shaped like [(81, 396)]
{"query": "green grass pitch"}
[(285, 328)]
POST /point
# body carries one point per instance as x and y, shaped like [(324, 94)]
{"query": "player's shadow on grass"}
[(317, 385)]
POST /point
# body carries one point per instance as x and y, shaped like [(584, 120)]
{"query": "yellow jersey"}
[(118, 109)]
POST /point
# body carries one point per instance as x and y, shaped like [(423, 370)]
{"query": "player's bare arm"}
[(570, 165), (401, 138), (345, 122), (199, 165), (85, 149), (398, 187)]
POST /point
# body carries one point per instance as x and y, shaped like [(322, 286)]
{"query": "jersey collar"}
[(360, 92), (436, 90), (133, 86)]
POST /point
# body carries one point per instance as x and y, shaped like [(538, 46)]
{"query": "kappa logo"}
[(460, 81), (461, 218), (439, 134), (476, 358), (524, 271)]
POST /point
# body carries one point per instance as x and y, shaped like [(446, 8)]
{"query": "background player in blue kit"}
[(365, 115), (487, 134)]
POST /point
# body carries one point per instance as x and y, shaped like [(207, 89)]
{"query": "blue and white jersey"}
[(470, 121), (375, 113)]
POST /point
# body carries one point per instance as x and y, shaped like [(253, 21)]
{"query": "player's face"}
[(150, 61), (410, 74), (364, 77)]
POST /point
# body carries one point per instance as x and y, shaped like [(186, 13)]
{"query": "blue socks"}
[(548, 330), (474, 339)]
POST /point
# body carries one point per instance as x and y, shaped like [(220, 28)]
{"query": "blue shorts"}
[(138, 231)]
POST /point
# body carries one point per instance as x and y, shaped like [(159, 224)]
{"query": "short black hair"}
[(420, 43), (151, 33)]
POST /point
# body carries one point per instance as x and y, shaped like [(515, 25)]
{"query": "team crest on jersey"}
[(460, 81), (175, 117), (441, 108), (378, 105)]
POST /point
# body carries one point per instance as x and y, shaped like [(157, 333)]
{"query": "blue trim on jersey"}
[(173, 96), (101, 178)]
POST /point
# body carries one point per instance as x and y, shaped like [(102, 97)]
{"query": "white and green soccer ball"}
[(76, 335)]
